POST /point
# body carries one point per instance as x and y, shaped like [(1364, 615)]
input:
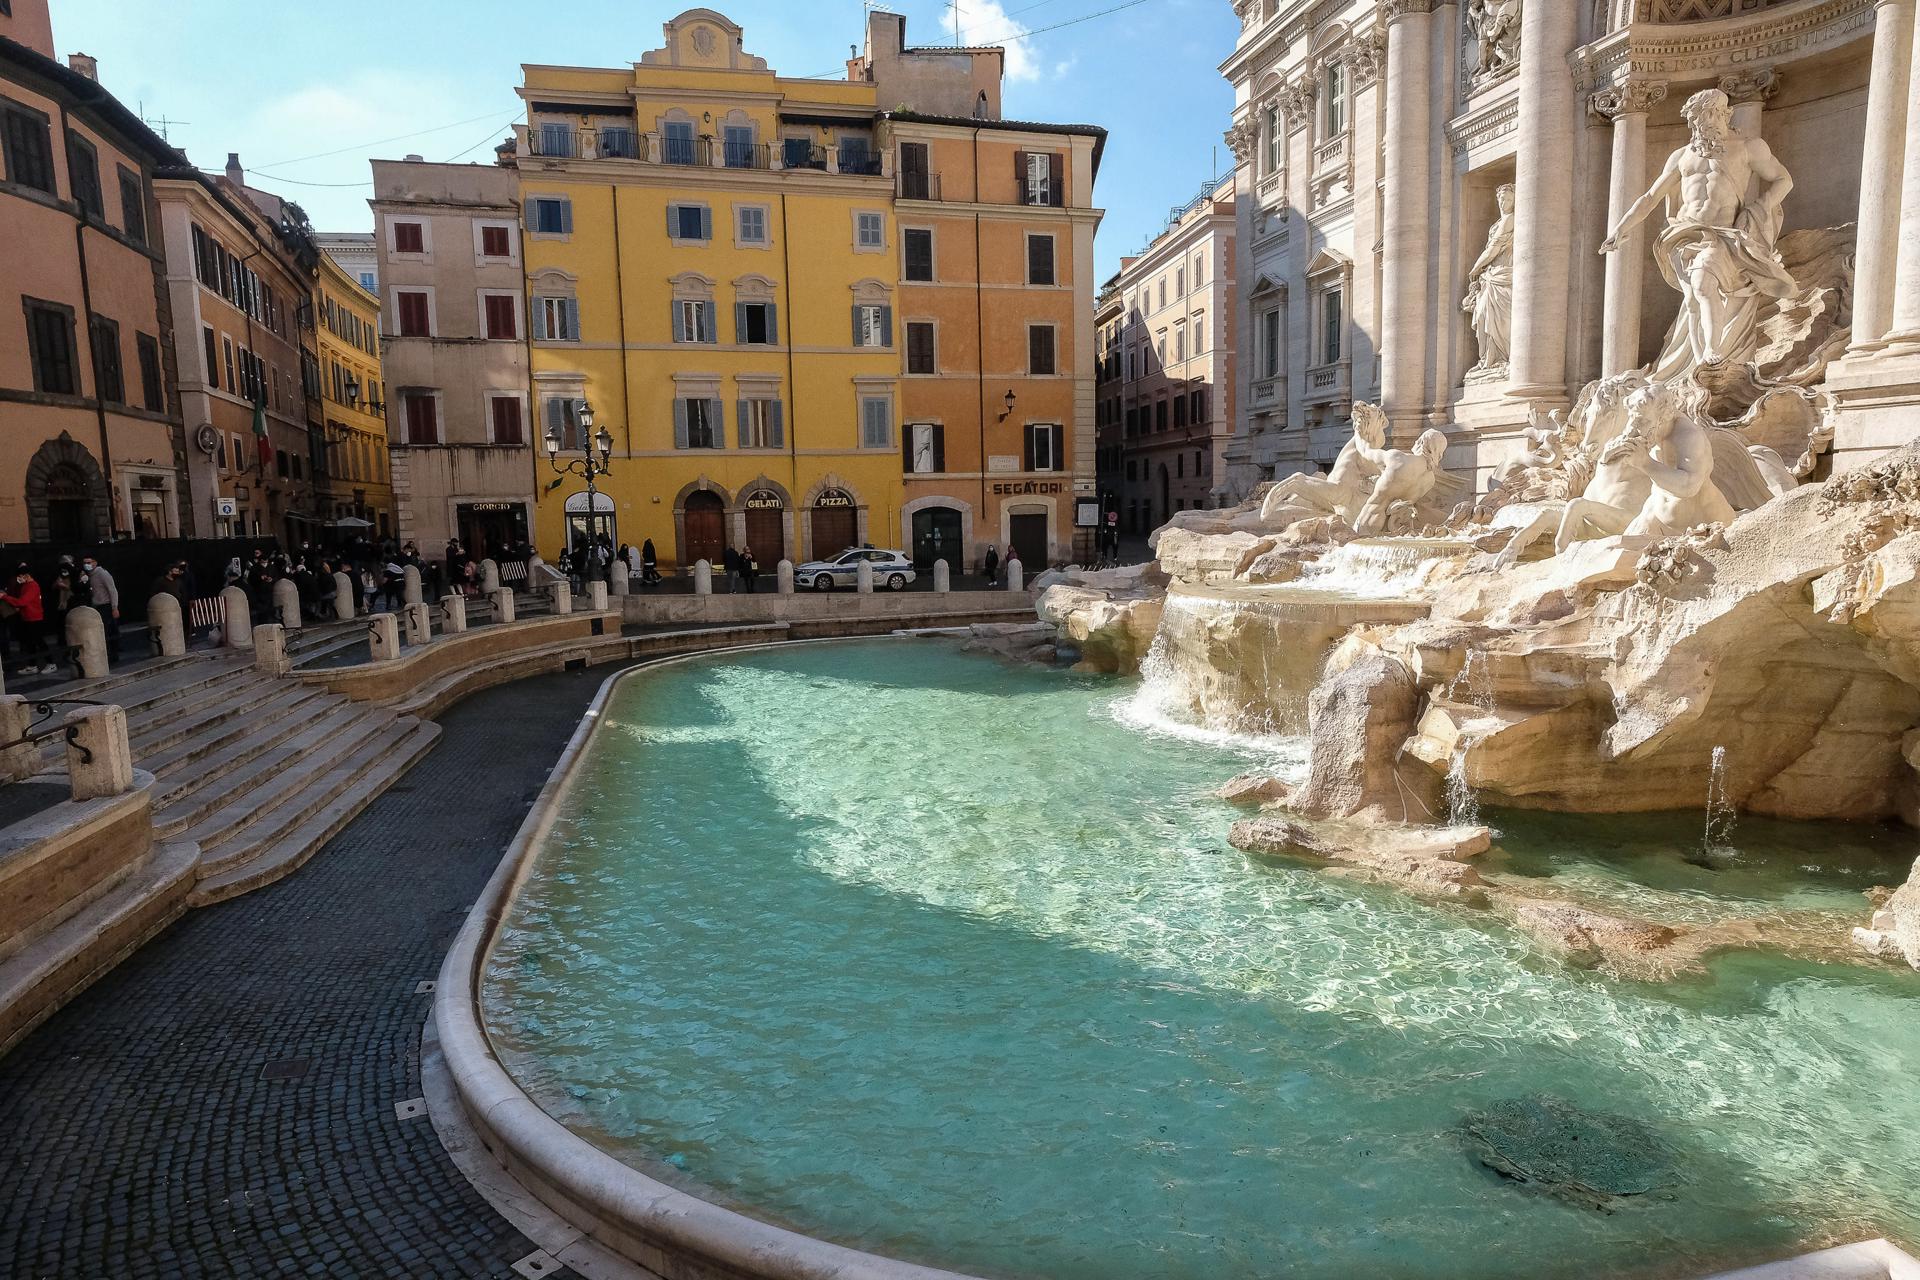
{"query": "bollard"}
[(502, 604), (863, 577), (419, 623), (783, 577), (702, 578), (163, 619), (410, 585), (383, 637), (236, 628), (343, 590), (1016, 576), (622, 584), (22, 758), (597, 596), (563, 597), (99, 761), (286, 603), (453, 614), (270, 650), (489, 576), (87, 640), (942, 578)]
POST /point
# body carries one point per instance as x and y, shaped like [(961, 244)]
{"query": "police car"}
[(891, 570)]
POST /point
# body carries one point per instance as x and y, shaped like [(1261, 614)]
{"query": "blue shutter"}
[(776, 429), (709, 323), (673, 312), (679, 424), (773, 323), (573, 319), (740, 407), (886, 326), (740, 322), (673, 221), (706, 223), (718, 422), (856, 324), (566, 217), (539, 320)]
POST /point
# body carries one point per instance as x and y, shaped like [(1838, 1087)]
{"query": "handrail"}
[(43, 712)]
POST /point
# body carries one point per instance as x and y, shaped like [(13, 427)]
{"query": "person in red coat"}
[(29, 621)]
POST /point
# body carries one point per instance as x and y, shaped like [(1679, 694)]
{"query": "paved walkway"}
[(222, 1103)]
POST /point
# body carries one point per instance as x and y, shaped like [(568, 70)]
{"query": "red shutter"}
[(1056, 188), (502, 316), (423, 424), (413, 315), (493, 242), (407, 238), (506, 422)]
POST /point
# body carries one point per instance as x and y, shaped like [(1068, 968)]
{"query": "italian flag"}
[(260, 433)]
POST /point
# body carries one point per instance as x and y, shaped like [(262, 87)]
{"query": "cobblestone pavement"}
[(142, 1133)]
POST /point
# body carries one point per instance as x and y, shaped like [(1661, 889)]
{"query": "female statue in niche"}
[(1489, 300)]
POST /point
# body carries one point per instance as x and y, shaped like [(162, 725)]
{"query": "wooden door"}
[(1029, 534), (834, 530), (706, 524), (766, 536)]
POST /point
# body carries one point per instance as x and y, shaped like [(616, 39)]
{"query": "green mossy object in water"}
[(1587, 1158)]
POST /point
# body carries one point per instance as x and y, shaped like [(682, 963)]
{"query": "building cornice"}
[(1725, 47)]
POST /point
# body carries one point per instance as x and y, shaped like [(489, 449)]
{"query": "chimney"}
[(235, 174), (86, 64)]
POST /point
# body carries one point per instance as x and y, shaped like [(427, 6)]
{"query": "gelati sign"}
[(766, 500)]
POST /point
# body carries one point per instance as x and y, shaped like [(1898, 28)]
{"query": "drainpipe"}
[(980, 340), (793, 390), (86, 301), (620, 303)]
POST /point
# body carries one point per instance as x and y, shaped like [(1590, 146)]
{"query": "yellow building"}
[(356, 483), (712, 264)]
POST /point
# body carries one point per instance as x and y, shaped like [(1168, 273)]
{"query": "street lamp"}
[(586, 465), (353, 391)]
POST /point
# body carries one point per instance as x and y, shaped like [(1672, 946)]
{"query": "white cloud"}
[(985, 22)]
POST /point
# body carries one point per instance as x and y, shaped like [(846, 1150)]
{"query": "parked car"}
[(891, 570)]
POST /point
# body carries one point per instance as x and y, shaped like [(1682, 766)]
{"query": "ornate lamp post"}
[(585, 466)]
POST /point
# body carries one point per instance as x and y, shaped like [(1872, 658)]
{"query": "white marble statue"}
[(1668, 445), (1345, 487), (1495, 26), (1489, 298), (1723, 193), (1407, 478)]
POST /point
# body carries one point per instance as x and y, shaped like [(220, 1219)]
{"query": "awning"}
[(350, 522)]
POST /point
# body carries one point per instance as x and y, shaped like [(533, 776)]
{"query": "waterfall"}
[(1371, 568), (1463, 805), (1720, 812), (1473, 687)]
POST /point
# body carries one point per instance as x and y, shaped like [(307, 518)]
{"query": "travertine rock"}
[(1359, 718)]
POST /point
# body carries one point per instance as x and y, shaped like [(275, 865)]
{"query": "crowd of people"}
[(35, 614)]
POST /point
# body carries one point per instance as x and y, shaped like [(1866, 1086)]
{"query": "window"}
[(738, 141), (563, 418), (233, 379), (920, 357), (797, 153), (754, 323), (917, 246), (415, 316), (1332, 325), (693, 320), (689, 222), (503, 416), (552, 216), (556, 319), (760, 426), (750, 224), (83, 166), (50, 347), (422, 417), (1044, 441), (1180, 282), (368, 281), (409, 237), (493, 244), (915, 181), (1179, 411), (872, 325), (1199, 272), (283, 464), (926, 444), (1160, 415), (619, 140), (856, 154), (1276, 140), (133, 205), (870, 231), (108, 382), (28, 146), (502, 315), (1040, 260), (1198, 412), (556, 139), (1040, 349), (1199, 332), (1180, 343), (697, 424), (1163, 294), (153, 393), (1038, 174), (1270, 343), (676, 144), (213, 357), (876, 422), (1336, 91)]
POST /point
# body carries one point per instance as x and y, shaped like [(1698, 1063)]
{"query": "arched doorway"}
[(766, 523), (937, 536), (585, 527), (67, 495), (69, 501), (706, 526), (836, 523)]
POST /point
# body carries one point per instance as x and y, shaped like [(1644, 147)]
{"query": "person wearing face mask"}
[(104, 595)]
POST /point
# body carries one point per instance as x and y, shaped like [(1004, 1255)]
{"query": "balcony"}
[(918, 186), (675, 149), (861, 163), (1329, 383), (560, 142), (564, 142)]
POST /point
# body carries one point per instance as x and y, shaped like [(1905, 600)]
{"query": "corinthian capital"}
[(1757, 85), (1634, 97), (1391, 11), (1297, 99), (1368, 58), (1241, 139)]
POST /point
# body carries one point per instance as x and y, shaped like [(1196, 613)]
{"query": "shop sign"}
[(1020, 488), (1086, 513), (768, 500), (833, 498)]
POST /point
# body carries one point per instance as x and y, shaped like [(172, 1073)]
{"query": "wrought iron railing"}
[(39, 729)]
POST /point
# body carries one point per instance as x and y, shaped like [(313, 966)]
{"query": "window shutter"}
[(856, 324), (573, 319), (673, 222), (709, 323), (719, 435), (886, 326), (1056, 194), (773, 323), (679, 424), (706, 223), (906, 447), (776, 429), (1028, 449), (1020, 177), (673, 318), (741, 408), (939, 446), (539, 310), (740, 322), (1059, 433), (566, 217)]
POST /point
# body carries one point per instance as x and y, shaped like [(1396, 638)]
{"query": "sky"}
[(308, 93)]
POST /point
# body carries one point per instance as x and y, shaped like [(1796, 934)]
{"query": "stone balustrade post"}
[(562, 597), (863, 577), (236, 625), (383, 637), (419, 623), (453, 614), (410, 585), (489, 576), (168, 628), (622, 584), (942, 577), (702, 578), (1016, 576), (783, 577), (343, 605), (20, 761), (597, 595), (270, 650), (87, 641), (502, 604), (286, 604), (99, 758)]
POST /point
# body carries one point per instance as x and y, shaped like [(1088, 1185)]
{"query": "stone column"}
[(1749, 93), (87, 639), (453, 614), (168, 628), (343, 602), (383, 637), (418, 621), (286, 603), (502, 604), (1905, 330), (702, 578), (942, 577), (99, 759), (562, 597), (1627, 106), (1403, 260), (489, 576), (236, 627), (783, 577), (597, 595), (410, 592), (1016, 576), (863, 577), (270, 650), (1543, 216), (1877, 243), (20, 761)]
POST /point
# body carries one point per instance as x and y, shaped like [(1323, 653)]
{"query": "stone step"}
[(311, 654), (287, 852), (97, 690), (254, 763), (289, 706), (185, 719), (322, 635)]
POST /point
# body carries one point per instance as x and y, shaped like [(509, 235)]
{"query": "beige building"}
[(454, 353)]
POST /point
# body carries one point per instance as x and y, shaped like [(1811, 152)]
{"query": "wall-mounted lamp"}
[(1008, 411)]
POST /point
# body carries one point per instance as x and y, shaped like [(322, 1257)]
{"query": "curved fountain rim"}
[(640, 1218)]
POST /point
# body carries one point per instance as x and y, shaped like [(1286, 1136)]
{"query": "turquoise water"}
[(931, 955)]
